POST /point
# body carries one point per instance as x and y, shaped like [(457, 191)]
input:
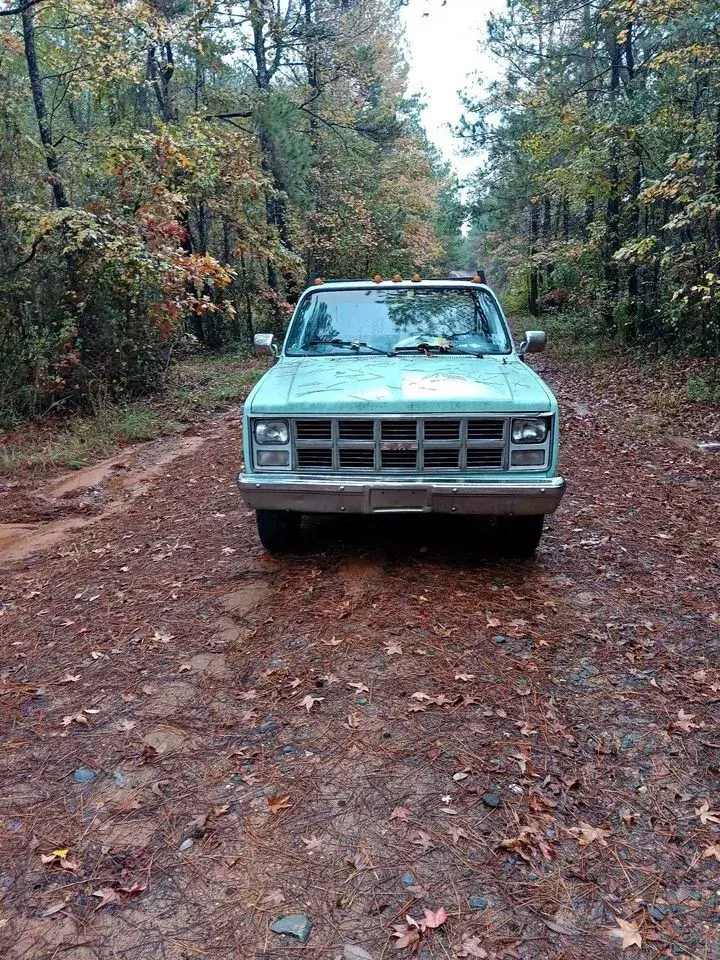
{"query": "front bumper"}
[(492, 498)]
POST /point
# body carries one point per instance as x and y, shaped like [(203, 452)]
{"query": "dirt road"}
[(197, 739)]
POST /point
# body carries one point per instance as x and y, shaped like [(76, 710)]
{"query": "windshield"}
[(443, 319)]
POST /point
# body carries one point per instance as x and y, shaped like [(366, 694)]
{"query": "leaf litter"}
[(580, 691)]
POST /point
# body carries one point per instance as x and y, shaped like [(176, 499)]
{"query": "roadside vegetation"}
[(598, 197), (199, 387)]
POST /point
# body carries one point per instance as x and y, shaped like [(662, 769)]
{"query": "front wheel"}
[(279, 530), (520, 536)]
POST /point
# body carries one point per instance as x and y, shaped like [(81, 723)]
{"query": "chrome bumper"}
[(308, 495)]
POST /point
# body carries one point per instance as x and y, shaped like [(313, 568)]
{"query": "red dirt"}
[(156, 644)]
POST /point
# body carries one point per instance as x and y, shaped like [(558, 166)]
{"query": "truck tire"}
[(279, 530), (519, 537)]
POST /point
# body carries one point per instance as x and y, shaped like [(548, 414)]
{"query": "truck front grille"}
[(400, 445)]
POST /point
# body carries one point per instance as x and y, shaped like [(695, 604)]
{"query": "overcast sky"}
[(444, 49)]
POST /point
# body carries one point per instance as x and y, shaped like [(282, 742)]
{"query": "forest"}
[(599, 195), (174, 171), (175, 168)]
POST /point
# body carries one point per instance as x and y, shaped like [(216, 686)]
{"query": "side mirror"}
[(263, 344), (534, 342)]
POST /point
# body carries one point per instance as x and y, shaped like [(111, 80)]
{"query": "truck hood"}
[(407, 384)]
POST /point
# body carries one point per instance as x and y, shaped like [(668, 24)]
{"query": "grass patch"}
[(198, 386)]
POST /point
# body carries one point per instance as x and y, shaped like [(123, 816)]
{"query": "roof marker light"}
[(377, 278), (318, 281), (476, 279), (416, 278), (397, 278)]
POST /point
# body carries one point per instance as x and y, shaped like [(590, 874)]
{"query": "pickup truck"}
[(401, 396)]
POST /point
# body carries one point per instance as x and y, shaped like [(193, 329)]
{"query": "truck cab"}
[(401, 396)]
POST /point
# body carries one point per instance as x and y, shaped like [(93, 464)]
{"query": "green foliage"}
[(173, 172), (601, 188)]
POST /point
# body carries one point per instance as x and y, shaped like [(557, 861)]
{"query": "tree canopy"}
[(169, 166)]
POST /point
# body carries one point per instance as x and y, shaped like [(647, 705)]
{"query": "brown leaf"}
[(471, 948), (465, 677), (433, 920), (360, 687), (69, 678), (713, 851), (312, 844), (421, 839), (707, 815), (407, 936), (588, 834), (628, 933), (309, 701), (393, 647), (399, 813), (106, 895), (683, 721), (59, 854), (54, 908), (278, 802)]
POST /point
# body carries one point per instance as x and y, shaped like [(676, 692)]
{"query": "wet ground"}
[(198, 739)]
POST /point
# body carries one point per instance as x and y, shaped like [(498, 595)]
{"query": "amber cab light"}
[(318, 281), (416, 278)]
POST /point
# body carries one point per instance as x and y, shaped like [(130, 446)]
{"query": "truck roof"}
[(384, 284)]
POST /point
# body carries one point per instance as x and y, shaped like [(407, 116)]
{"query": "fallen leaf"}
[(312, 844), (683, 721), (54, 855), (713, 851), (707, 815), (360, 687), (69, 678), (309, 701), (125, 726), (465, 677), (456, 833), (421, 839), (54, 908), (333, 642), (399, 813), (95, 654), (493, 622), (393, 648), (588, 834), (471, 948), (106, 895), (628, 933), (75, 718), (407, 936), (272, 898), (433, 920), (278, 802)]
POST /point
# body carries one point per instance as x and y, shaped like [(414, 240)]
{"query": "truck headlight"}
[(271, 431), (529, 431)]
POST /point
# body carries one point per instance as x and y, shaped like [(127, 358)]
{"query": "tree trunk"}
[(612, 211), (43, 121), (534, 230)]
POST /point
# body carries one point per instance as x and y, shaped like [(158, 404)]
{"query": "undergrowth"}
[(197, 386)]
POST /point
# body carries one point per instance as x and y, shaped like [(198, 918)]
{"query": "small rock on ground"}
[(297, 925), (84, 775), (491, 799)]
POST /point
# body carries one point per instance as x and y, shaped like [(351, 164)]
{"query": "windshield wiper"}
[(427, 347), (353, 344)]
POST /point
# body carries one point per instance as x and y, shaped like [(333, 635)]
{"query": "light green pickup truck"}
[(401, 396)]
